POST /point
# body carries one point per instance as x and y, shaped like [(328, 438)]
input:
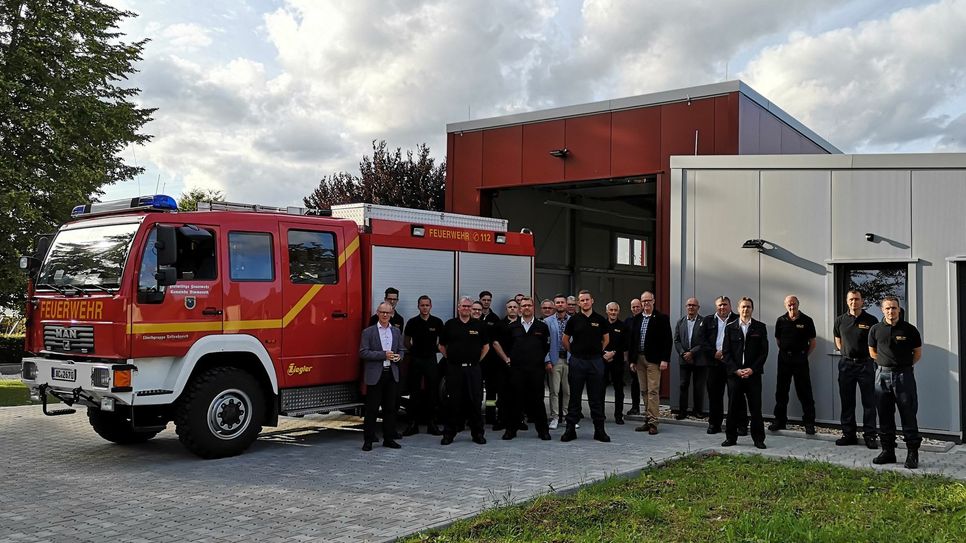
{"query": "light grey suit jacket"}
[(373, 355)]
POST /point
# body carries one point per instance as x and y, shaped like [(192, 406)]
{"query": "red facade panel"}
[(467, 172), (450, 161), (538, 140), (502, 156), (726, 124), (635, 141), (588, 140), (679, 121)]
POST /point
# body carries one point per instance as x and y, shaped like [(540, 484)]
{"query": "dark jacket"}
[(745, 352), (527, 349), (709, 333), (657, 342), (681, 344)]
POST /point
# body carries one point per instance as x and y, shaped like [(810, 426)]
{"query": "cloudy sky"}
[(261, 98)]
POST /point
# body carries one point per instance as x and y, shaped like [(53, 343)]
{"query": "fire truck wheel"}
[(220, 413), (115, 428)]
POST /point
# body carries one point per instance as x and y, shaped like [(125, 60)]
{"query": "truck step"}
[(316, 399)]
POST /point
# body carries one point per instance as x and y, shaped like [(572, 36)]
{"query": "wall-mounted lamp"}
[(417, 230), (560, 153), (869, 236), (500, 237), (526, 231), (754, 244)]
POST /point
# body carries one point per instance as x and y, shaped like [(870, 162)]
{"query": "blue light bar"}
[(156, 201)]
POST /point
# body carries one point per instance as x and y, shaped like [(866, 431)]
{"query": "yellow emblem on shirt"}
[(474, 333)]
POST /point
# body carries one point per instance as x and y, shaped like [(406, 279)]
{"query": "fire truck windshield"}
[(87, 257)]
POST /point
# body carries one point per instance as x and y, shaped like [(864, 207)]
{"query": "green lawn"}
[(13, 392), (734, 498)]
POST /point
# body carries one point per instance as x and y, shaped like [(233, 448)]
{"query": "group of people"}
[(570, 347)]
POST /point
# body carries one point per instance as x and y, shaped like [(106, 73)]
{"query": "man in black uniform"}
[(713, 332), (745, 352), (614, 359), (851, 332), (896, 347), (795, 334), (392, 297), (464, 343), (585, 336), (498, 380), (525, 345), (491, 364), (422, 338)]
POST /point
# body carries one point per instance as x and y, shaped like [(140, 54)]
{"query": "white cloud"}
[(186, 36)]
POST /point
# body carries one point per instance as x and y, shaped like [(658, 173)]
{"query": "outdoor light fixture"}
[(754, 244), (526, 231), (500, 237), (560, 153), (417, 230), (869, 236)]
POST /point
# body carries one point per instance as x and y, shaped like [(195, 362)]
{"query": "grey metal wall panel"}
[(503, 275), (414, 272), (876, 202)]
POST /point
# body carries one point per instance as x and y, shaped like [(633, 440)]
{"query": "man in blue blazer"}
[(381, 349)]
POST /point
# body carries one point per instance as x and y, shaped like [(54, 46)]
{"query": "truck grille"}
[(69, 339)]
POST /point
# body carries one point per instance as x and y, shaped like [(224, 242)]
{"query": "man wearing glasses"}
[(392, 298), (649, 353), (694, 365), (381, 350)]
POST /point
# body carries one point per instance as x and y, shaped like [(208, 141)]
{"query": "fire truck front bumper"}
[(94, 384)]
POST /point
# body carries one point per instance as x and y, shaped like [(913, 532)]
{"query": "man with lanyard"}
[(795, 335), (524, 347), (851, 332), (464, 343), (713, 332), (896, 347), (560, 358), (614, 359), (422, 338), (585, 337), (745, 352)]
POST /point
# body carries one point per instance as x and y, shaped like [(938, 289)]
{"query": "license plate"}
[(64, 374)]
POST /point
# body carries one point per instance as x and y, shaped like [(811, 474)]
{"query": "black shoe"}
[(634, 411), (545, 436), (760, 445), (729, 443), (367, 446), (887, 456), (643, 428), (411, 430), (809, 429), (681, 416), (872, 442), (714, 430), (433, 430), (847, 440), (619, 420), (508, 435), (742, 432), (522, 427), (447, 439), (601, 435), (776, 426), (569, 435), (912, 459), (390, 444), (479, 440)]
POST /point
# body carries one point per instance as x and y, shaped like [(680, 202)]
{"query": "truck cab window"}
[(312, 258), (196, 258), (250, 256)]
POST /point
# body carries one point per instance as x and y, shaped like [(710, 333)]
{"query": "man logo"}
[(190, 302)]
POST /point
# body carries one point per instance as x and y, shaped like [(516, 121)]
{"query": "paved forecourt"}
[(309, 480)]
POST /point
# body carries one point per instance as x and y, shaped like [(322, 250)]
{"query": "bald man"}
[(795, 335)]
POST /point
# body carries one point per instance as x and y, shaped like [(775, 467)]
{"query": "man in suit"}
[(712, 332), (694, 365), (381, 349), (524, 347), (745, 351), (648, 354)]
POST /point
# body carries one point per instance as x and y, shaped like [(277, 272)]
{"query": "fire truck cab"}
[(224, 319)]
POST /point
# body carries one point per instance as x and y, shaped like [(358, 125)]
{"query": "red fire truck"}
[(224, 319)]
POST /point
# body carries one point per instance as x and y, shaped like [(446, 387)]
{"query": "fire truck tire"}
[(115, 428), (220, 413)]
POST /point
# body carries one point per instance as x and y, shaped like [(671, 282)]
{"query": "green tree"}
[(387, 178), (189, 200), (65, 116)]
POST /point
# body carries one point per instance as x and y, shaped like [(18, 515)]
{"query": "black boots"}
[(887, 456), (912, 458)]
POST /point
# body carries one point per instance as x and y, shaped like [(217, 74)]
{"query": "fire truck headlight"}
[(101, 377), (107, 404), (28, 371)]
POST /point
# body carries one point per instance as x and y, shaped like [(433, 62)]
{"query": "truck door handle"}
[(339, 314), (211, 311)]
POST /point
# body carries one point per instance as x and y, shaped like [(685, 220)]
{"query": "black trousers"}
[(526, 384), (423, 380), (635, 389), (496, 379), (589, 372), (717, 378), (464, 396), (692, 377), (896, 388), (745, 392), (382, 394), (794, 366), (614, 375), (859, 373)]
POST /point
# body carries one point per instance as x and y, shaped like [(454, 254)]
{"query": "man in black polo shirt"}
[(464, 342), (896, 346), (851, 332), (614, 359), (524, 348), (585, 336), (492, 378), (422, 338), (795, 334), (392, 297)]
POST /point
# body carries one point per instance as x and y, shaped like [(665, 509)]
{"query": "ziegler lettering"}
[(298, 370), (72, 310)]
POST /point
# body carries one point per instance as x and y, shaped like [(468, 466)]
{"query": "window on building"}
[(312, 258), (250, 256), (875, 282), (631, 251)]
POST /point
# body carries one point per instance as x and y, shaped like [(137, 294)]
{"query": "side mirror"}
[(30, 264), (166, 276), (167, 246)]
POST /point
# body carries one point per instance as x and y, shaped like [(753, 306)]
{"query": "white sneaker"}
[(553, 424)]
